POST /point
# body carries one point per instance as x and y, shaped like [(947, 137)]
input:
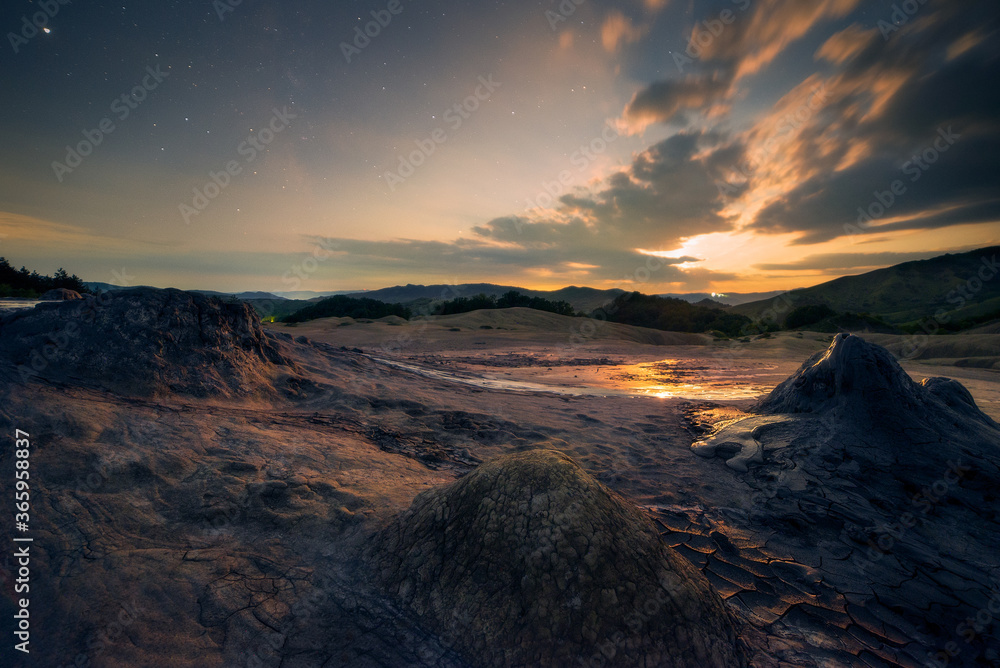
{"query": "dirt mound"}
[(530, 561), (851, 375), (860, 384), (144, 341), (855, 397)]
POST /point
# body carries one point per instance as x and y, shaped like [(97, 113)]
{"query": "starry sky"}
[(657, 145)]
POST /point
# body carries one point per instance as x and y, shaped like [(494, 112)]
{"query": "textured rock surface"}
[(860, 383), (61, 294), (144, 341), (856, 397), (871, 528), (530, 561)]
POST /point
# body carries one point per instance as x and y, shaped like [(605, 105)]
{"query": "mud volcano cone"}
[(861, 384), (530, 561), (868, 409), (146, 342)]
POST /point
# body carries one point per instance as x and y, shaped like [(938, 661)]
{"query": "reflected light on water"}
[(669, 378), (662, 379)]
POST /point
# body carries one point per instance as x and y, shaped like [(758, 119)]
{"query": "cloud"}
[(617, 30), (750, 44), (23, 233), (728, 51), (669, 101), (913, 110), (846, 44), (536, 256), (667, 194), (841, 263)]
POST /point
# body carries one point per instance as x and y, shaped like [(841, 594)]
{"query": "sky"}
[(653, 145)]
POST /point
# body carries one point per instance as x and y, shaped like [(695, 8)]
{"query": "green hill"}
[(342, 306), (951, 288), (417, 296)]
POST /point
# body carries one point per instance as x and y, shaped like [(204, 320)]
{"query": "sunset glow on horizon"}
[(702, 146)]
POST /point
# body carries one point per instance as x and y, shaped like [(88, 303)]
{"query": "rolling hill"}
[(948, 288), (582, 298), (242, 296), (727, 299)]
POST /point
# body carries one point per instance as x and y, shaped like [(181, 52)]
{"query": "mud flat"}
[(222, 511)]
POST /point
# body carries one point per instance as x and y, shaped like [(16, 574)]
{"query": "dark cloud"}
[(847, 262), (668, 101), (738, 41), (668, 193), (920, 109), (535, 252)]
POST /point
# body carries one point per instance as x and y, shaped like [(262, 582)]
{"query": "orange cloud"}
[(27, 231), (846, 44), (618, 30), (752, 44)]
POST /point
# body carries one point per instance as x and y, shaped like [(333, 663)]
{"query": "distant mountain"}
[(244, 296), (257, 295), (108, 287), (710, 303), (948, 288), (582, 298), (727, 299), (312, 294)]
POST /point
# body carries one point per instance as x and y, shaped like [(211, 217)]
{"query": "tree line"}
[(28, 284)]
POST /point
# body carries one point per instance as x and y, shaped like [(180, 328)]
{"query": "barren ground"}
[(207, 532)]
